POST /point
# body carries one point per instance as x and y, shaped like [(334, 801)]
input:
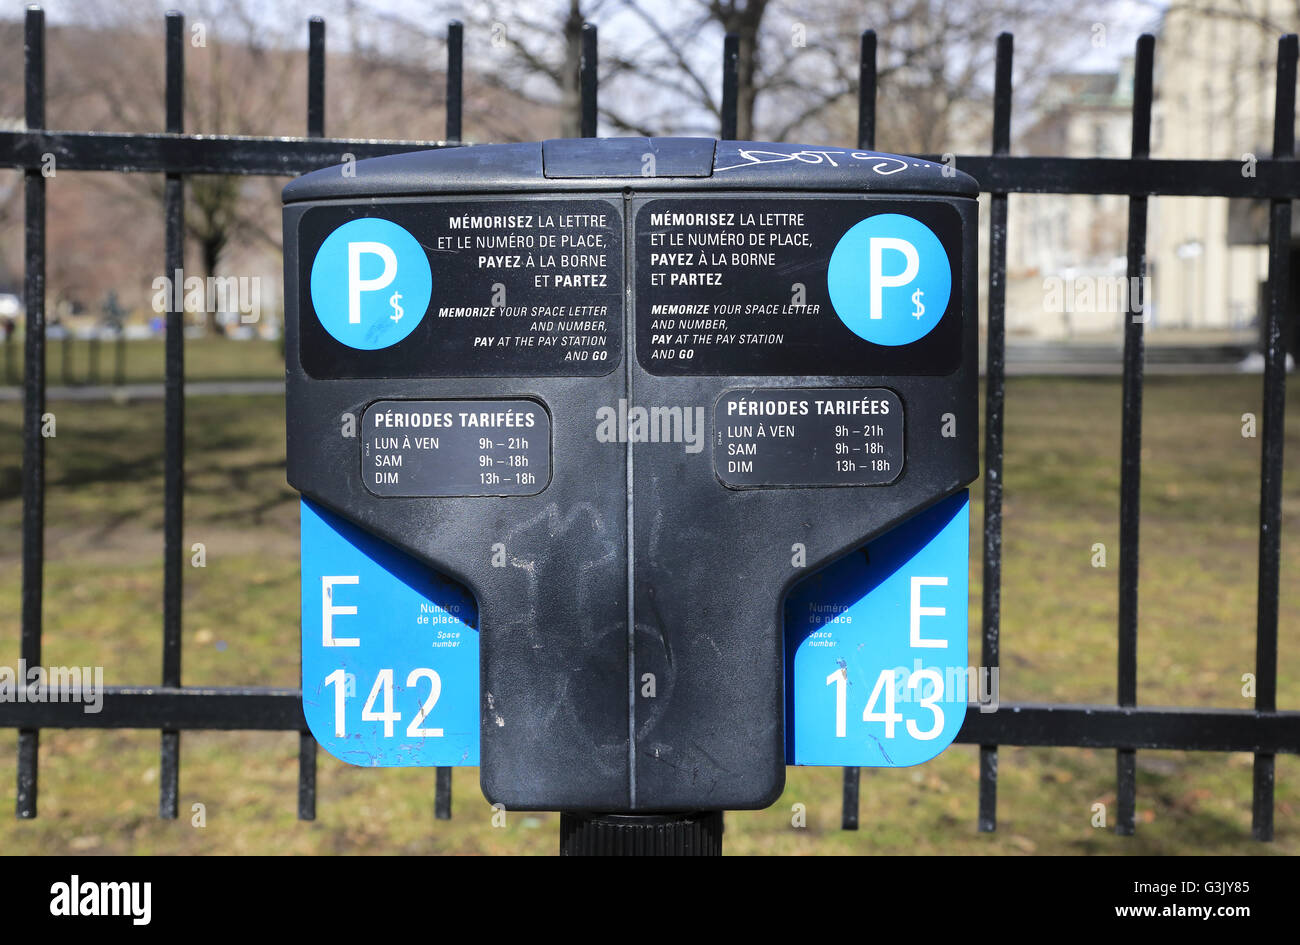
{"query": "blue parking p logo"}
[(889, 279), (370, 283)]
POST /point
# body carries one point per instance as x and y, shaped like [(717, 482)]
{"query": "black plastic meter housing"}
[(672, 273)]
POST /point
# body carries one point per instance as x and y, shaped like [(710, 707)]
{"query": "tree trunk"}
[(210, 248)]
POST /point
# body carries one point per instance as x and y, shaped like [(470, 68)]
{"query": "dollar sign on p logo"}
[(889, 279), (370, 283)]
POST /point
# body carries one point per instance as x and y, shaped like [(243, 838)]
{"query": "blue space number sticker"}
[(876, 647), (390, 652)]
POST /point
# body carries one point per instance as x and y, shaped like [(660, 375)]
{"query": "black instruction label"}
[(456, 447), (808, 437), (482, 288), (798, 286)]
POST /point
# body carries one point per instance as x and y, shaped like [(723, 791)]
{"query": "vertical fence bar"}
[(587, 80), (315, 129), (455, 78), (173, 417), (306, 776), (994, 405), (454, 105), (315, 77), (852, 789), (1277, 334), (867, 92), (442, 795), (730, 86), (866, 141), (1130, 484), (33, 399)]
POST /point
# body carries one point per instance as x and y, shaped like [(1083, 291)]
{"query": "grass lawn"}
[(98, 789)]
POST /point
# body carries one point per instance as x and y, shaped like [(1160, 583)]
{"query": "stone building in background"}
[(1066, 251), (1216, 75), (1214, 90)]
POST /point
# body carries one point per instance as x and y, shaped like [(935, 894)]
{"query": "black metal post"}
[(33, 400), (867, 92), (1270, 488), (995, 392), (730, 86), (442, 794), (587, 80), (315, 77), (455, 79), (1130, 488), (690, 834), (173, 419)]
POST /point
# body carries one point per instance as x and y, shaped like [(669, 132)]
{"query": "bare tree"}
[(798, 62), (532, 53), (236, 64)]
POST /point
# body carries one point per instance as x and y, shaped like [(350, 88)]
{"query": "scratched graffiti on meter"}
[(456, 448), (824, 286), (808, 437)]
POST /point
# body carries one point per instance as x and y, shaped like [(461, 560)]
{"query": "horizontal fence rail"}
[(230, 154), (1124, 727)]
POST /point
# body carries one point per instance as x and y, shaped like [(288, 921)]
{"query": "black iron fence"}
[(1126, 727)]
